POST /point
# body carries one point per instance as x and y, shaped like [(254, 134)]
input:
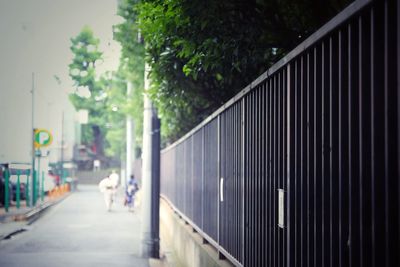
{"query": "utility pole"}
[(150, 177), (155, 186)]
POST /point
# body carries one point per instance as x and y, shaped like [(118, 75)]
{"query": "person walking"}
[(115, 179), (107, 187), (96, 165), (131, 189)]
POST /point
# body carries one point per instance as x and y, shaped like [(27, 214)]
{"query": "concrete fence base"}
[(181, 245)]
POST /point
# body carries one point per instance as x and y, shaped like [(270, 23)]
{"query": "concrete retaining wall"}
[(181, 245)]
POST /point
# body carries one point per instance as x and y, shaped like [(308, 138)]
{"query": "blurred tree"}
[(132, 62), (86, 55), (104, 97), (89, 93)]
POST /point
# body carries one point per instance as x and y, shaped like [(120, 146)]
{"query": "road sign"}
[(43, 138)]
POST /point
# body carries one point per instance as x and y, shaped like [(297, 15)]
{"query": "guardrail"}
[(17, 185), (301, 168)]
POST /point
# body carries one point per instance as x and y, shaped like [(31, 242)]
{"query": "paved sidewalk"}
[(19, 220)]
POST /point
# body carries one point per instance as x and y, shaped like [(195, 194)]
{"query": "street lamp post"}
[(30, 201), (62, 149)]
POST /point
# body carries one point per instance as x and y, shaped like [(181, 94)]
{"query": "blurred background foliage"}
[(104, 96)]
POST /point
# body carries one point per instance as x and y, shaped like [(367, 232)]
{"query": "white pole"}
[(146, 171), (30, 200), (62, 149), (128, 138)]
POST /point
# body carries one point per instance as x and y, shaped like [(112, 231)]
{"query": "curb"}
[(34, 214), (31, 216)]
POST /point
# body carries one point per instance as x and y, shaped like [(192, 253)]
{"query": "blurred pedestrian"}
[(96, 165), (115, 178), (108, 188), (131, 189)]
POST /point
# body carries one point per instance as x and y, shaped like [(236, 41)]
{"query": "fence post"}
[(37, 186), (218, 181), (18, 192), (42, 192), (6, 190), (27, 196), (243, 130), (34, 188)]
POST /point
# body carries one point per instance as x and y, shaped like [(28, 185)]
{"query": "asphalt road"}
[(78, 232)]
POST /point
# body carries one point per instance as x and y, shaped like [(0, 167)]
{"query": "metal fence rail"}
[(302, 167)]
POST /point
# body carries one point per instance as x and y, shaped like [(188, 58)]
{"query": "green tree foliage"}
[(132, 62), (85, 48), (104, 97), (202, 52), (88, 89), (116, 108)]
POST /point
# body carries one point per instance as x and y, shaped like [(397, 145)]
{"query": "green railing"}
[(8, 186)]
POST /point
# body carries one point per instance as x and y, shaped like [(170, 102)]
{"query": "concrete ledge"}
[(182, 245), (156, 263)]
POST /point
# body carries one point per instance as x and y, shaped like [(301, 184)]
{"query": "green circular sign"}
[(42, 138)]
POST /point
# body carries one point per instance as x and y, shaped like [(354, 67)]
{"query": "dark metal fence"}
[(302, 167)]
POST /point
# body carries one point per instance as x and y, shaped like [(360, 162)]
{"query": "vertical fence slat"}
[(279, 165), (297, 201), (392, 135), (270, 173), (289, 173)]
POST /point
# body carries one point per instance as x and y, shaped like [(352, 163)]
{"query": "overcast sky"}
[(35, 37)]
